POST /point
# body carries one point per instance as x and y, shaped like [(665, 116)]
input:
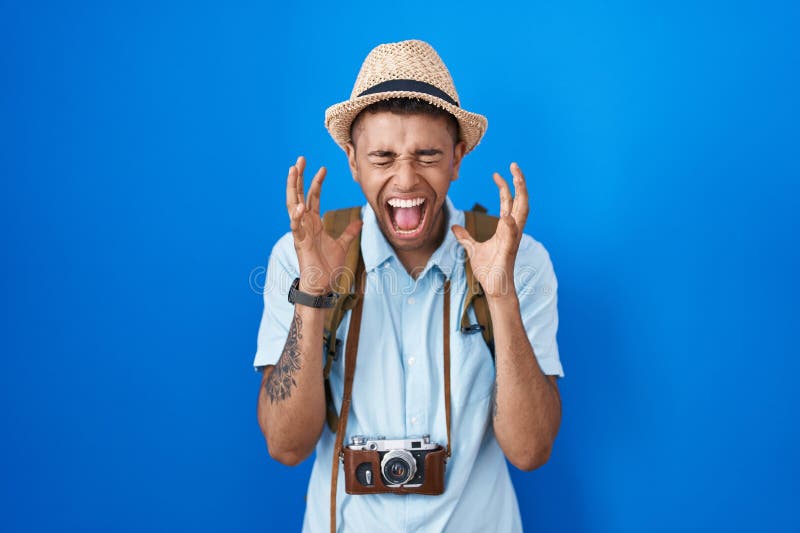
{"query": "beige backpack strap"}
[(481, 227), (334, 223), (349, 372)]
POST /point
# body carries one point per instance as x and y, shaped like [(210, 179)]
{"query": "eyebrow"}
[(389, 153)]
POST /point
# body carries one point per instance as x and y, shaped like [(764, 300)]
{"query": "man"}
[(405, 134)]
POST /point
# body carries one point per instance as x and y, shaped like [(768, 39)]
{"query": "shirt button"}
[(411, 361), (413, 420), (411, 300)]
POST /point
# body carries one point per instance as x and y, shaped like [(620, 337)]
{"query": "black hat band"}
[(410, 85)]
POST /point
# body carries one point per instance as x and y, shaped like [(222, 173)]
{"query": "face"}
[(405, 165)]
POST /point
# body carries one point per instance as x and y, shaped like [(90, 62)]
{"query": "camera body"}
[(412, 465)]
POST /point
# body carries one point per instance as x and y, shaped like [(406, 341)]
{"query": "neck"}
[(415, 261)]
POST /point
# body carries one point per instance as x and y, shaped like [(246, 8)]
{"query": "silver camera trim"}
[(381, 444)]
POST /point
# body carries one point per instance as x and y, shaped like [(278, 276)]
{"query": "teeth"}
[(398, 202)]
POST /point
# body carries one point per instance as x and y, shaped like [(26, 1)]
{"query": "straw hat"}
[(410, 69)]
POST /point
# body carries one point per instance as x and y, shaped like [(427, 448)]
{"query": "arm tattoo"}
[(494, 399), (280, 382)]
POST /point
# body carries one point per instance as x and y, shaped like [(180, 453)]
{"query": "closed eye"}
[(385, 159)]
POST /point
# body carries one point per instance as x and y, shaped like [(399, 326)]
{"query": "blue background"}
[(143, 154)]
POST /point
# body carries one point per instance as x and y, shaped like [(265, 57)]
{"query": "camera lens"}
[(396, 471), (398, 467)]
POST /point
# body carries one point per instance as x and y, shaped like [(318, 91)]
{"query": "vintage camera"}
[(379, 465)]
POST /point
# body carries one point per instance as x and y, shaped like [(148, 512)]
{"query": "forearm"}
[(526, 413), (291, 401)]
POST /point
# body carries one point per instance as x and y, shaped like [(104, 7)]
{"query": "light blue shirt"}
[(398, 384)]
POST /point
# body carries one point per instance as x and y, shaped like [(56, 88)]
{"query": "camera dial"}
[(358, 440)]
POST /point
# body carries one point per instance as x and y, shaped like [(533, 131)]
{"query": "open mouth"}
[(407, 215)]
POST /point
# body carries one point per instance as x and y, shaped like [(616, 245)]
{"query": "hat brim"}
[(339, 117)]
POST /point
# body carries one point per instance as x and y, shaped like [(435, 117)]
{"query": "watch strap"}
[(296, 296)]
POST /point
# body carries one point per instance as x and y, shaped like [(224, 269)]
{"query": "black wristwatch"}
[(296, 296)]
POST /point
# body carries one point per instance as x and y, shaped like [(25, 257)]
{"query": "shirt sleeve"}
[(537, 290), (282, 269)]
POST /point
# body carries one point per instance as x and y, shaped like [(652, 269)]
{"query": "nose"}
[(406, 175)]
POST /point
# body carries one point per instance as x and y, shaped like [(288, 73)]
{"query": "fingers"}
[(300, 166), (295, 187), (291, 190), (521, 204), (294, 184), (350, 232), (507, 229), (296, 204), (312, 201), (296, 222), (517, 206), (506, 201), (464, 238)]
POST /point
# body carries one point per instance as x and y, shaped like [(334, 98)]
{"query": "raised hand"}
[(318, 254), (492, 261)]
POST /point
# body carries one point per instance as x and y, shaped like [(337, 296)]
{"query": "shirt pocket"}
[(473, 379)]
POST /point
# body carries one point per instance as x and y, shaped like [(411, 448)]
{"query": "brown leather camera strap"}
[(446, 337), (351, 351)]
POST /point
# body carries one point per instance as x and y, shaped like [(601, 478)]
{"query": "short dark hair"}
[(409, 106)]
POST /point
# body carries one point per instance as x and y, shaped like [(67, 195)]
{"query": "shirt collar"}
[(449, 252), (375, 249)]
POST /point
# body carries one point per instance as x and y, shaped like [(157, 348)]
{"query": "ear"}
[(458, 154), (350, 150)]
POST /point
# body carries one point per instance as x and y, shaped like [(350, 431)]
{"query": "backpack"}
[(480, 226)]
